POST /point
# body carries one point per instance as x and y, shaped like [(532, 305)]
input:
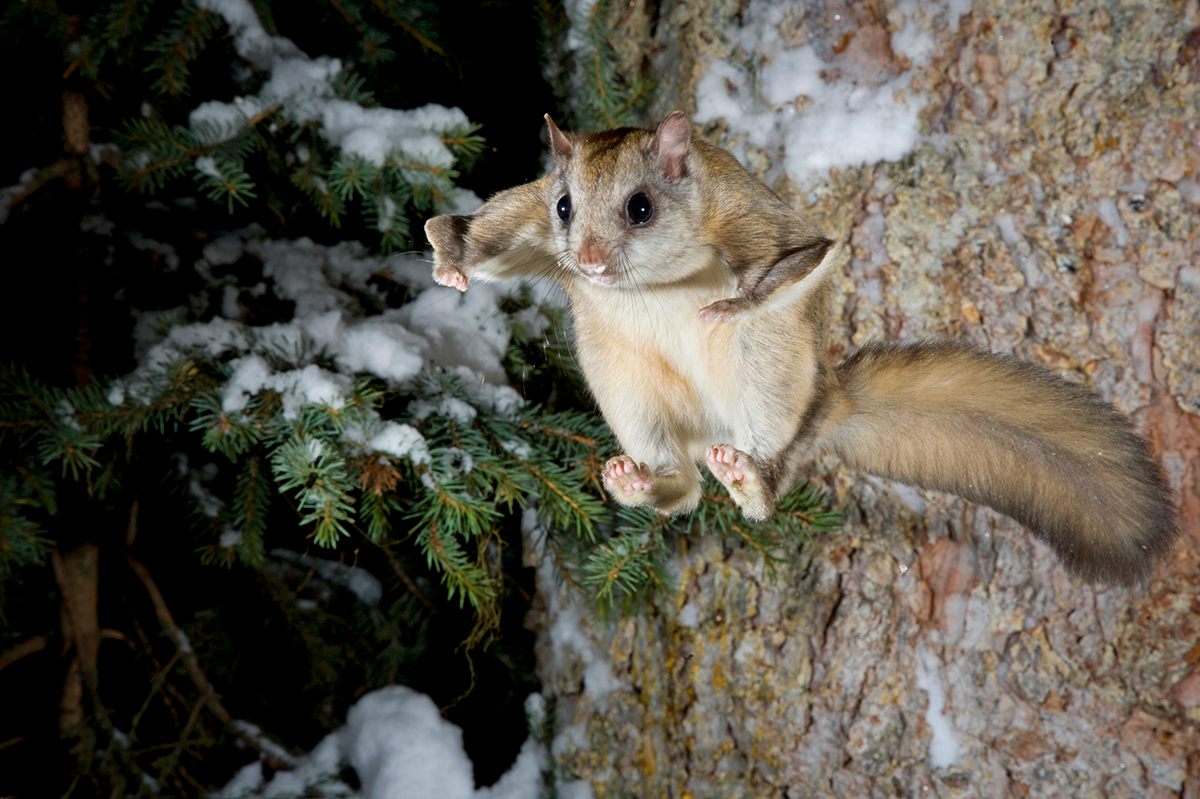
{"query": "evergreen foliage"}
[(272, 148), (601, 95), (482, 467), (284, 484)]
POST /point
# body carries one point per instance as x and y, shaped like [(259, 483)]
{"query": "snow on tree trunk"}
[(1020, 175)]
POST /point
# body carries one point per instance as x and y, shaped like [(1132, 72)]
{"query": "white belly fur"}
[(663, 379)]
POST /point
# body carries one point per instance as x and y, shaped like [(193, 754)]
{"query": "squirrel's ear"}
[(560, 145), (671, 142)]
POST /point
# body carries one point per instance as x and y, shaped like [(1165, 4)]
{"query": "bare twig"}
[(23, 650), (412, 587), (192, 666), (77, 573)]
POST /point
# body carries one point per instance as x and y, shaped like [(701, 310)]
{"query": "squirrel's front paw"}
[(625, 478), (446, 233), (451, 276)]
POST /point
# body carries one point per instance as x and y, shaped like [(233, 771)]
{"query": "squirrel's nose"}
[(592, 257)]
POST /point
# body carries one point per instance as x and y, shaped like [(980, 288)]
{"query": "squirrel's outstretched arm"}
[(508, 236), (1009, 435)]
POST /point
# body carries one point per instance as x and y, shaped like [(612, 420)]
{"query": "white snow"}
[(387, 214), (397, 736), (802, 114), (252, 41), (465, 325), (208, 167), (578, 12), (355, 579), (327, 285), (518, 449), (10, 193), (310, 385), (1111, 216), (945, 748), (374, 346), (207, 502), (400, 441), (400, 747), (301, 88), (565, 611)]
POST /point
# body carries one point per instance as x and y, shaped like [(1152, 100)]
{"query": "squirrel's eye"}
[(639, 209), (564, 208)]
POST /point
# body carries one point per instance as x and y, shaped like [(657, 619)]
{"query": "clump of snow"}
[(450, 407), (302, 89), (945, 748), (387, 214), (375, 133), (565, 611), (396, 736), (310, 385), (399, 746), (251, 40), (689, 616), (162, 249), (208, 503), (116, 394), (375, 346), (224, 250), (357, 580), (801, 108), (466, 325), (399, 441), (329, 287), (9, 194), (1111, 217), (208, 167), (231, 538), (518, 449), (578, 13)]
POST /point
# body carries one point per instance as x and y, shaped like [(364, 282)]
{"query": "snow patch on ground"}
[(399, 746)]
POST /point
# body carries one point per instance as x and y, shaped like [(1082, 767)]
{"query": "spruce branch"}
[(467, 581), (251, 502), (23, 539), (178, 46), (225, 179), (318, 476)]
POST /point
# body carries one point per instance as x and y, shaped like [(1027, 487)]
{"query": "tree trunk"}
[(932, 647)]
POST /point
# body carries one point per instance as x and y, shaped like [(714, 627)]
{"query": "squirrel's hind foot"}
[(740, 475), (628, 481)]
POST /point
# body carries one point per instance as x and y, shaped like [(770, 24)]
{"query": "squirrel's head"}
[(624, 204)]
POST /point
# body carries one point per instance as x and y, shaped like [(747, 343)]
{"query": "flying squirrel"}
[(700, 302)]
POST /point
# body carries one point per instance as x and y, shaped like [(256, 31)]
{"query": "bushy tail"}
[(1012, 436)]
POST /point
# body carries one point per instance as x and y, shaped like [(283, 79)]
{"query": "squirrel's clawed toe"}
[(625, 475)]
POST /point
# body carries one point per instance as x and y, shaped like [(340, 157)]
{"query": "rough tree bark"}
[(1050, 210)]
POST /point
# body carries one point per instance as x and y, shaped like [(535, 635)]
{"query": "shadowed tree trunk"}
[(932, 647)]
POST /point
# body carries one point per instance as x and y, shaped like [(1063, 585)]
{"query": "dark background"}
[(67, 311)]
